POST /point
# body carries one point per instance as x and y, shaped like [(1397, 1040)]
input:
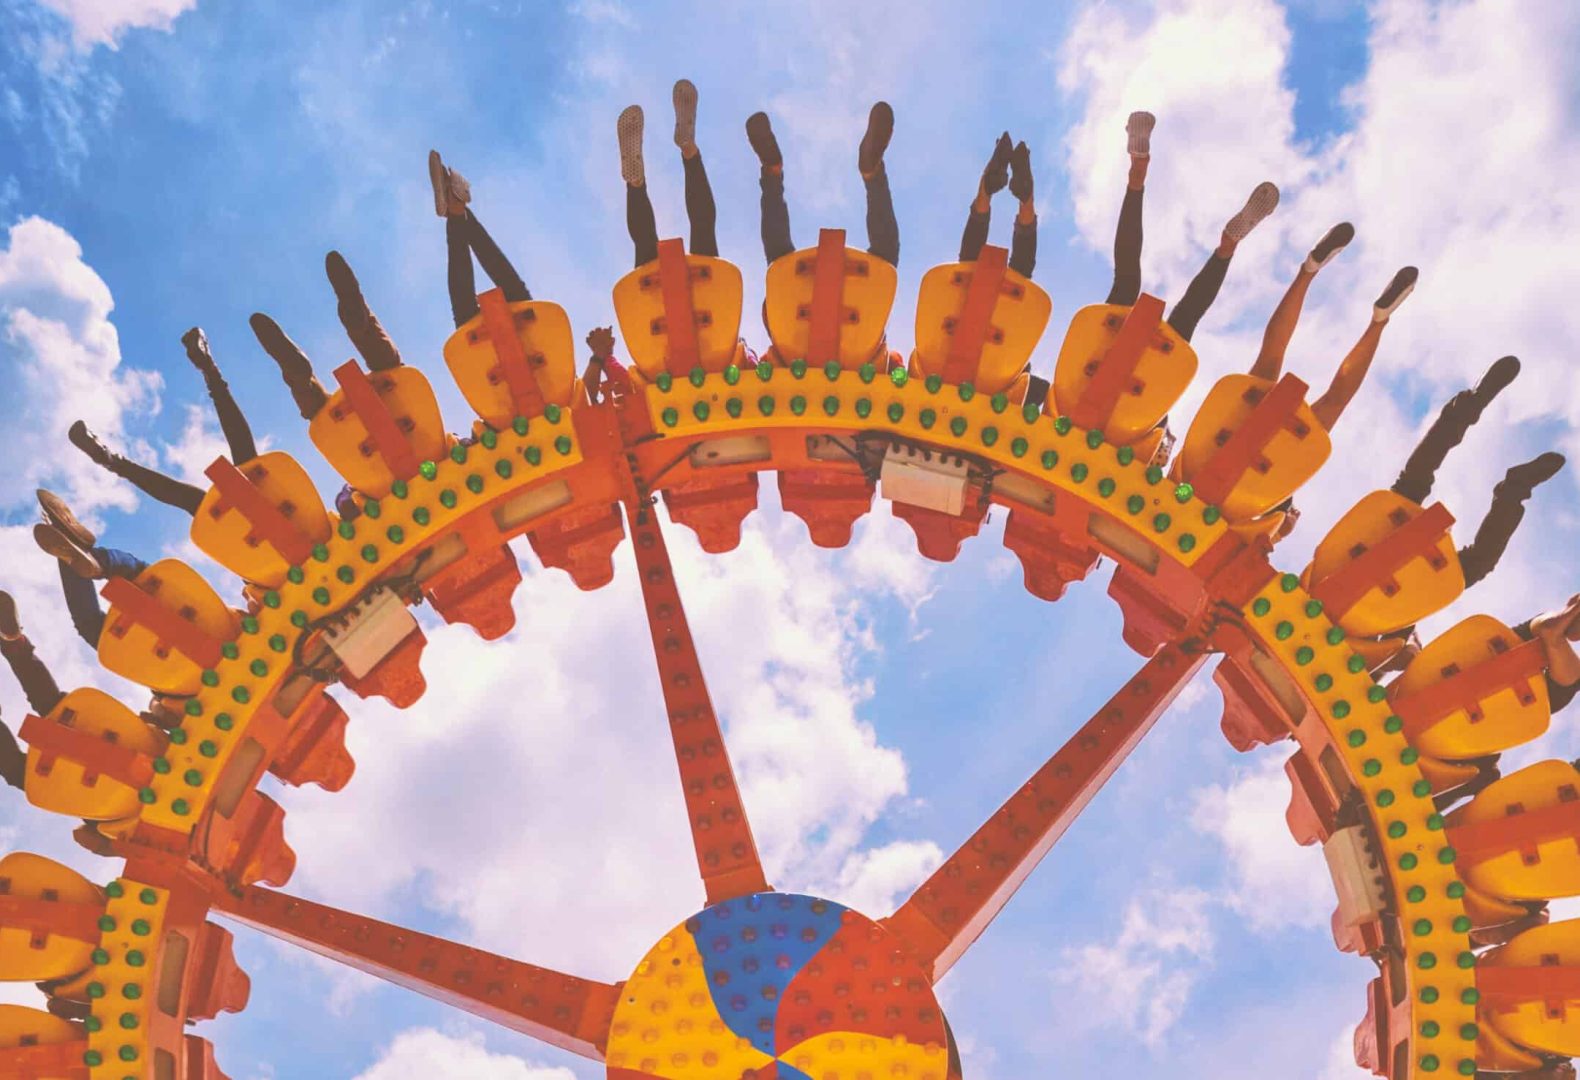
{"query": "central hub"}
[(776, 985)]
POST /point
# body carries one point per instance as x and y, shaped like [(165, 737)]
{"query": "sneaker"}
[(1336, 240), (1402, 285), (58, 514), (1139, 129), (685, 98), (1020, 173), (55, 542), (451, 192), (10, 628), (760, 133), (880, 129), (1499, 375), (89, 444), (196, 343), (996, 175), (629, 130), (1255, 211), (293, 362)]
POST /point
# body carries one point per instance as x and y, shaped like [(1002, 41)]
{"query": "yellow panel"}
[(1531, 1024), (1163, 372), (666, 1024), (227, 538), (63, 790), (1420, 589), (341, 438), (835, 1052), (31, 877), (21, 1026), (1506, 721), (550, 348), (1287, 462), (1019, 318), (133, 651), (868, 296), (1556, 870), (716, 291)]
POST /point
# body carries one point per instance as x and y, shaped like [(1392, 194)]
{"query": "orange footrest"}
[(314, 750), (939, 535), (397, 678), (582, 544), (830, 501), (713, 507), (477, 591), (1050, 562)]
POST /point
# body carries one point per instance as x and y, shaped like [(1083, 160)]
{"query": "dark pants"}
[(1508, 499), (13, 760), (465, 236), (1022, 245), (1200, 294), (179, 493), (1127, 251), (38, 685), (883, 228), (82, 594), (700, 212)]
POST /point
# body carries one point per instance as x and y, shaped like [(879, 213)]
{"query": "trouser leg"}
[(975, 235), (1481, 555), (232, 421), (1127, 250), (367, 334), (493, 261), (156, 485), (883, 228), (462, 282), (776, 216), (700, 209), (38, 685), (1447, 430), (639, 222), (1023, 248), (1199, 296)]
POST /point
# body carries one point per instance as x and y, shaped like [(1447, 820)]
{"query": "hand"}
[(601, 342)]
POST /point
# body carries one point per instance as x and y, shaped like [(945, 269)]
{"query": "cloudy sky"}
[(165, 163)]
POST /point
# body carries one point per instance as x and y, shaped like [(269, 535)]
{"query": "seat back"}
[(1516, 839), (261, 518), (830, 302), (512, 360), (978, 322), (679, 312), (1121, 369), (48, 922), (379, 427), (89, 757), (164, 628), (1252, 444), (1524, 987)]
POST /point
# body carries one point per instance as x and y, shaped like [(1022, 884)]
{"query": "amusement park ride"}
[(760, 983)]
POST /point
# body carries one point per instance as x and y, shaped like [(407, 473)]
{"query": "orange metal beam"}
[(954, 906), (562, 1010)]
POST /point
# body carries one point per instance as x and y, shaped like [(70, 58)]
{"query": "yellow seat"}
[(679, 312), (1252, 444), (1529, 991), (89, 757), (830, 302), (512, 360), (1387, 563), (1121, 369), (1516, 840), (260, 519), (37, 1045), (1477, 689), (164, 628), (48, 920), (978, 322), (379, 427)]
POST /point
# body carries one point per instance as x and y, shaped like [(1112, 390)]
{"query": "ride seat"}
[(679, 312), (513, 360), (49, 918), (978, 322), (828, 303), (89, 757), (260, 518), (379, 427), (1121, 369), (165, 627)]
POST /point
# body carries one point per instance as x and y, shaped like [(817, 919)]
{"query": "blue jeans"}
[(82, 595)]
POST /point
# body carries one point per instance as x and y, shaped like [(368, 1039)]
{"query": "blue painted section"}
[(790, 1072), (752, 947)]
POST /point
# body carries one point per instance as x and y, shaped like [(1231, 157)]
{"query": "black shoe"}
[(1020, 173), (760, 133), (348, 290), (1336, 240), (1499, 375), (1402, 285), (1536, 471), (996, 175), (293, 362), (880, 129), (89, 444), (197, 351)]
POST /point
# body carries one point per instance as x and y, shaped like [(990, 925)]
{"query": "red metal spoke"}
[(562, 1010), (953, 907)]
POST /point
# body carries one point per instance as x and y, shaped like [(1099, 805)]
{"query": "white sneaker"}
[(1139, 128), (685, 97), (1261, 203), (451, 192), (629, 130)]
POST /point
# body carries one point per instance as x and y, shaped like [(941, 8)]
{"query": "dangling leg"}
[(775, 211), (639, 220), (79, 567), (1352, 371), (154, 484), (1127, 235), (295, 368), (362, 326), (38, 685), (994, 176), (238, 435), (451, 193), (1281, 327), (883, 229), (1503, 517), (1204, 287), (700, 209), (1463, 410), (1023, 243)]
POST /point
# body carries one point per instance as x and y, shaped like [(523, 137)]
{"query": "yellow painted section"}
[(1162, 373), (343, 440), (1555, 872), (1019, 319), (20, 1025), (544, 331), (868, 297), (133, 651), (1291, 460), (840, 1053), (130, 980), (225, 537), (716, 298), (1531, 1024), (92, 712), (31, 877), (666, 1025)]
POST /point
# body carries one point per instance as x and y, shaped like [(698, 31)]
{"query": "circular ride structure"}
[(760, 983)]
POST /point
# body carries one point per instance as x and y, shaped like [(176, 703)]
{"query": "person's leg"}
[(154, 484), (362, 326), (1127, 234), (883, 229), (1504, 515), (493, 261), (1281, 327), (775, 211), (1023, 242), (13, 759), (238, 434), (1449, 428), (701, 212), (639, 222), (297, 371), (38, 685), (1203, 289), (82, 604), (462, 282), (995, 175), (1352, 371)]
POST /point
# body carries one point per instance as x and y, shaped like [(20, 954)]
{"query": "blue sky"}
[(178, 162)]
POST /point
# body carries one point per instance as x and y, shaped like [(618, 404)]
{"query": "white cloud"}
[(103, 22), (421, 1053), (1340, 1064), (1273, 882), (878, 880)]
